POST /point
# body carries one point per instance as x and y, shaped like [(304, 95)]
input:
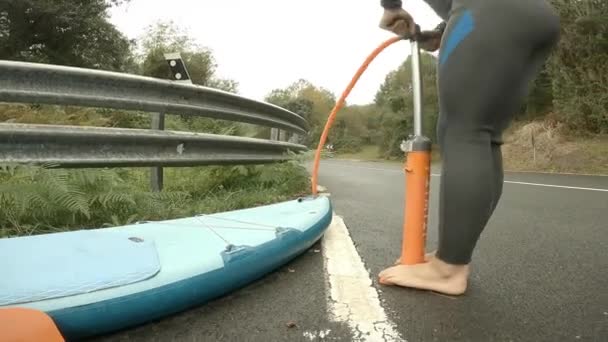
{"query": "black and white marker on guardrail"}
[(178, 67)]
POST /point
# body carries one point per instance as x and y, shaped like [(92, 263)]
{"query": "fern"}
[(37, 199), (116, 221), (110, 199)]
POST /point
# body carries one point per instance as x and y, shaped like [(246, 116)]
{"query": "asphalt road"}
[(540, 272)]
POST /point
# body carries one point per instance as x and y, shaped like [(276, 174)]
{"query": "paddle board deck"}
[(98, 281)]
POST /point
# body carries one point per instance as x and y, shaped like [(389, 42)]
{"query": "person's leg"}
[(498, 174), (490, 52)]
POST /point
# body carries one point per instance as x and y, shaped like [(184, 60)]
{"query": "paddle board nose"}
[(27, 325)]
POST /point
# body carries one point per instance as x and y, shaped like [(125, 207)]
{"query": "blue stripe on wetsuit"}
[(463, 27)]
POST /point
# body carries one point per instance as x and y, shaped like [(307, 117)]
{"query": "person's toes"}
[(386, 271), (385, 279), (389, 274)]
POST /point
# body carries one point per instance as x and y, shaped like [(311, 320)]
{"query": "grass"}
[(72, 115), (371, 153), (587, 155), (367, 153), (553, 149), (548, 147), (35, 200)]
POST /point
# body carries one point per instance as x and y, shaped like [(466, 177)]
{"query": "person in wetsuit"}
[(489, 52)]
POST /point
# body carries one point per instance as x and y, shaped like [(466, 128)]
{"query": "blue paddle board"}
[(97, 281)]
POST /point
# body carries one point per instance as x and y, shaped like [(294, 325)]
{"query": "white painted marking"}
[(353, 299), (507, 181), (314, 335), (321, 188), (547, 185), (558, 173), (558, 186)]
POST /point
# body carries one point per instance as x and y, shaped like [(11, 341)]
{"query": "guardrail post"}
[(295, 138), (282, 135), (156, 172), (274, 134), (180, 74)]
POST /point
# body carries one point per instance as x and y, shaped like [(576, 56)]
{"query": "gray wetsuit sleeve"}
[(390, 3), (441, 7)]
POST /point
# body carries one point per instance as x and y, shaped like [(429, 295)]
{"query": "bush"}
[(348, 144), (578, 67)]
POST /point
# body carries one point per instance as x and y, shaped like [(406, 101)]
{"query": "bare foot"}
[(434, 275), (427, 257)]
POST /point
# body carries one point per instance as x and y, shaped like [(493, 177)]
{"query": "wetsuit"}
[(490, 52)]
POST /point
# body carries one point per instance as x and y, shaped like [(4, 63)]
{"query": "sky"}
[(268, 44)]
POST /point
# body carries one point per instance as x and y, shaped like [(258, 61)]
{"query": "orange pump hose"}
[(340, 104)]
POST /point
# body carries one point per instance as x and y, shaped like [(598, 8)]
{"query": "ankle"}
[(447, 270)]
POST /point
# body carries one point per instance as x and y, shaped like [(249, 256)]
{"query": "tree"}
[(64, 32), (394, 100), (355, 126), (164, 37), (578, 67), (309, 101), (540, 99)]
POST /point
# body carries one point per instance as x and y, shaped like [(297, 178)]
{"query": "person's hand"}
[(398, 21), (431, 40)]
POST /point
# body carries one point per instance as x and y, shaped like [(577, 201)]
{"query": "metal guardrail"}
[(72, 147), (61, 85), (81, 146)]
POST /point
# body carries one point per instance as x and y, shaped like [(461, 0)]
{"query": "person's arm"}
[(396, 19), (390, 4)]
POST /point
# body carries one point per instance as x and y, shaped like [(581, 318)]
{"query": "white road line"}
[(507, 181), (558, 186), (353, 299), (548, 185), (559, 173)]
